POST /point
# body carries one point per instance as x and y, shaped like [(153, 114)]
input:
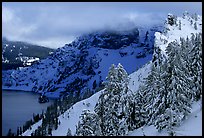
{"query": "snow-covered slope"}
[(77, 65), (75, 111), (192, 126), (189, 127), (20, 54), (175, 32)]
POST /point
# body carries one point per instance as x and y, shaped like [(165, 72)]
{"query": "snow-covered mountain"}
[(181, 27), (20, 54), (189, 127), (71, 117), (83, 64)]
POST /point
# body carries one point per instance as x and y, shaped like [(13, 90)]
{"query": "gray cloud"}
[(54, 24)]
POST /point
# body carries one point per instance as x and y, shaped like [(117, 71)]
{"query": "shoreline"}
[(16, 89), (48, 94)]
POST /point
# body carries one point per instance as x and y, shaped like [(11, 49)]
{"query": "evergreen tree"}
[(138, 116), (125, 104), (185, 14), (100, 109), (113, 109), (192, 41), (44, 128), (69, 132), (195, 26), (153, 92), (9, 133), (184, 51), (191, 22), (127, 118), (49, 131), (39, 131), (179, 24), (18, 131), (195, 17), (109, 126), (94, 84), (177, 99), (35, 133), (55, 123), (89, 124), (196, 66)]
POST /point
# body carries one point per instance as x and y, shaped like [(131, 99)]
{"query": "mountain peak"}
[(178, 27)]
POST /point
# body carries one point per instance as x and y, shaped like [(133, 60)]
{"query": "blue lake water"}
[(18, 107)]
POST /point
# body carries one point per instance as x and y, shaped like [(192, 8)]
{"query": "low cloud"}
[(54, 24), (13, 27)]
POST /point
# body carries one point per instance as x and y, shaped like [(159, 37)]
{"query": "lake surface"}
[(18, 107)]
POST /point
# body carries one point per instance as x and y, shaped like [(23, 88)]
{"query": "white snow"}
[(192, 126), (33, 128), (48, 70), (174, 33), (76, 110), (74, 113), (33, 59)]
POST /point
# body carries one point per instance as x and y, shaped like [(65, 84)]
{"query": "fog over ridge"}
[(54, 24)]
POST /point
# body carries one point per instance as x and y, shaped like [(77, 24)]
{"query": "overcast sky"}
[(54, 24)]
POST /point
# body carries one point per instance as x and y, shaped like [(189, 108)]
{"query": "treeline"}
[(50, 119), (26, 126)]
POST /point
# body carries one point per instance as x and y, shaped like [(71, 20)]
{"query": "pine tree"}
[(196, 66), (185, 14), (49, 131), (18, 132), (94, 84), (127, 117), (89, 124), (179, 24), (112, 98), (39, 131), (191, 22), (9, 133), (195, 17), (192, 41), (153, 91), (184, 51), (195, 26), (126, 104), (69, 132), (100, 109), (44, 128), (176, 99), (139, 114), (111, 89)]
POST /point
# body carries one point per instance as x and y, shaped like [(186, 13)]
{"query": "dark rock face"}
[(83, 64), (110, 39)]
